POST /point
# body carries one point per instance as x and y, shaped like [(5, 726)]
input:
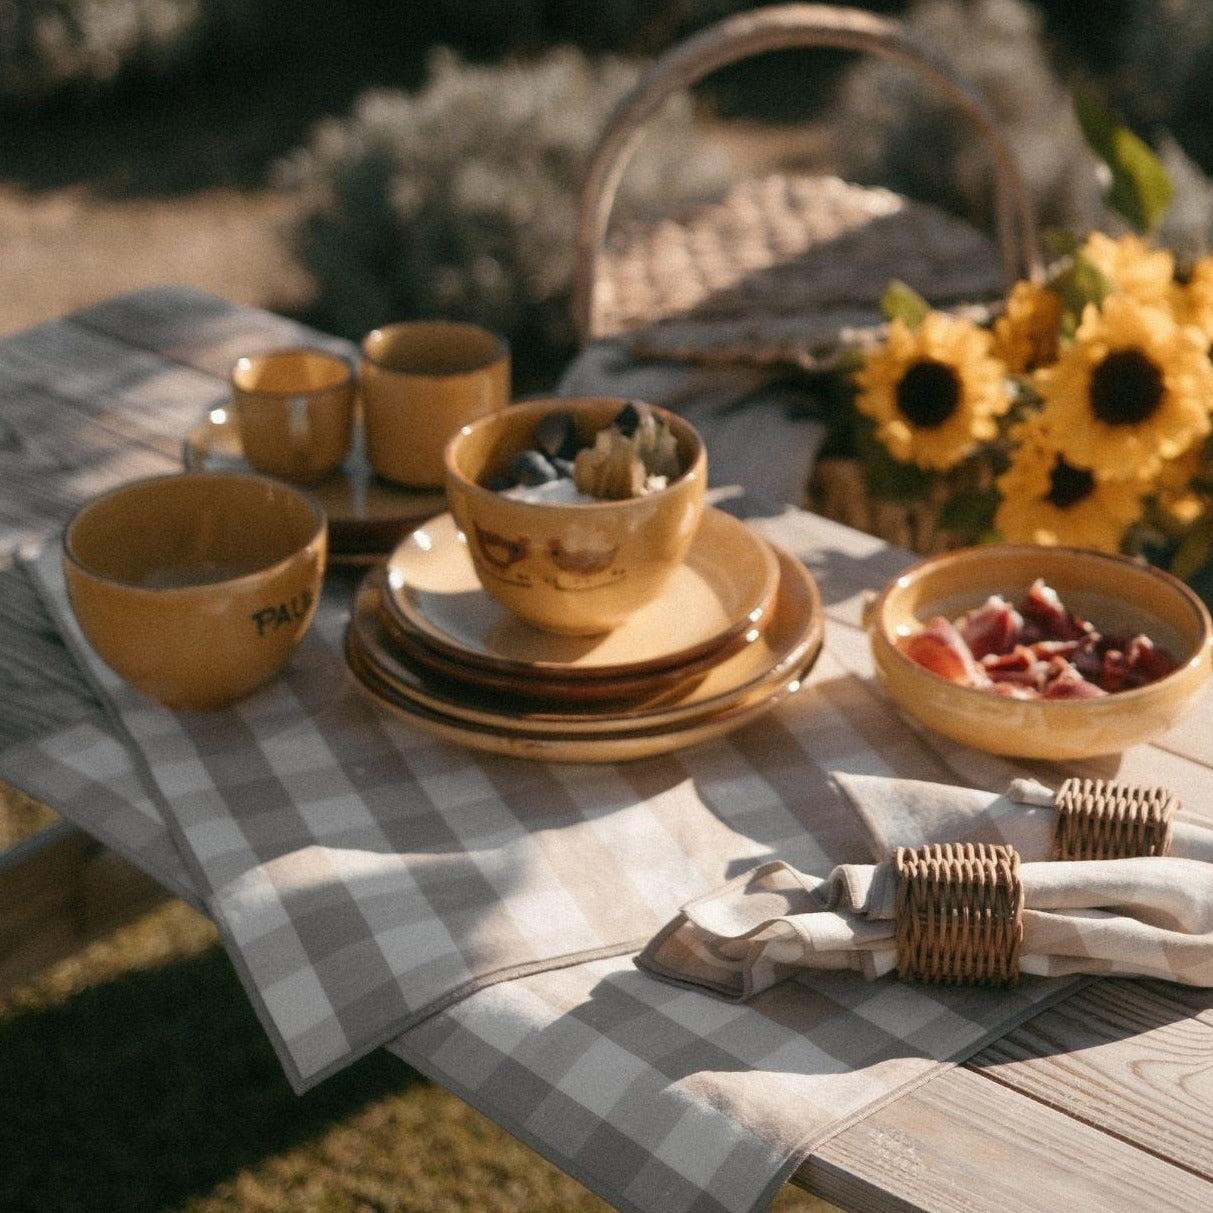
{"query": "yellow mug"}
[(294, 411), (423, 381)]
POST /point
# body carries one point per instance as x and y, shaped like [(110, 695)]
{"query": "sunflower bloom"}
[(1192, 303), (1026, 334), (1047, 500), (934, 393), (1133, 389), (1178, 502), (1133, 266)]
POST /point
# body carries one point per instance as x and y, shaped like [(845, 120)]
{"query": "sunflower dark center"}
[(1068, 485), (928, 393), (1126, 388)]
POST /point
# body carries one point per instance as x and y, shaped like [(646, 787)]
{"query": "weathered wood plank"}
[(138, 395), (41, 686), (963, 1144), (196, 329), (59, 890), (1132, 1058)]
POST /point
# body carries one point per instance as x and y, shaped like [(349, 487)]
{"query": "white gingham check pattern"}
[(364, 874), (659, 1099), (476, 873)]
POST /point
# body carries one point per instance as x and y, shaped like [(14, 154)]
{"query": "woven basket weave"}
[(786, 269)]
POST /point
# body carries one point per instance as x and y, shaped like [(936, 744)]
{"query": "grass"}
[(135, 1077)]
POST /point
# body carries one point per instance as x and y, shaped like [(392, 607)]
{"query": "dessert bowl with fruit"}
[(576, 511)]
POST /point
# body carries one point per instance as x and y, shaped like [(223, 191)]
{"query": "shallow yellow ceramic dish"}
[(576, 570), (196, 587), (1113, 592), (724, 586)]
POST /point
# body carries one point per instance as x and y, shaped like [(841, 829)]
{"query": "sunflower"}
[(1132, 266), (933, 392), (1135, 388), (1026, 334), (1192, 302), (1047, 500), (1178, 502)]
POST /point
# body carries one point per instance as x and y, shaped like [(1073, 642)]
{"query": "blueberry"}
[(628, 420), (532, 468), (500, 482), (563, 466), (556, 436)]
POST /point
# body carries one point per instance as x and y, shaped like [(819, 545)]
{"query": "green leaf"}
[(902, 302), (1060, 241), (888, 478), (1141, 189), (1194, 551), (970, 513), (1083, 282)]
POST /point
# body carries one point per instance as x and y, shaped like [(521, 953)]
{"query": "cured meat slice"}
[(940, 648), (994, 627)]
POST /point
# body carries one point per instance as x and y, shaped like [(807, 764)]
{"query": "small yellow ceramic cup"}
[(196, 587), (421, 382), (294, 410)]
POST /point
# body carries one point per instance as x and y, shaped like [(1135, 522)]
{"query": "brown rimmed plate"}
[(622, 746), (367, 516), (776, 653), (723, 589), (616, 747)]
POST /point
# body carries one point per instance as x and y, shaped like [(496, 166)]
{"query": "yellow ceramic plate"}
[(550, 687), (723, 589), (625, 746), (367, 516), (785, 647)]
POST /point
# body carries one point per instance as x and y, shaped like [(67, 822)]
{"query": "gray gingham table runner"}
[(659, 1099), (373, 883)]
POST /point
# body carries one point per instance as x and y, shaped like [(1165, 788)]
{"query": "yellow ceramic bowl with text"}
[(1112, 592), (576, 569), (196, 587)]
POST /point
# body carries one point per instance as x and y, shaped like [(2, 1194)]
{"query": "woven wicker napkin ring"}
[(1097, 819), (959, 914)]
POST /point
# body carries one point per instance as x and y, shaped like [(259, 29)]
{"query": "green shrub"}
[(47, 46), (461, 200), (896, 130)]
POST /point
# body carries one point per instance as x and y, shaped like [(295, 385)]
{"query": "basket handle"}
[(780, 28)]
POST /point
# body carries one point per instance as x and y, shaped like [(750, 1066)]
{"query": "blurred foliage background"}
[(432, 151)]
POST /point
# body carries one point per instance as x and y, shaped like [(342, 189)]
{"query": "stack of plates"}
[(734, 632)]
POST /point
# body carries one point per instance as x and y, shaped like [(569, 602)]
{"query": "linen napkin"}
[(1141, 917), (913, 813)]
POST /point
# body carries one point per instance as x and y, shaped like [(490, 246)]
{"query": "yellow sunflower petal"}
[(1192, 303), (1133, 265), (1026, 334), (1046, 501), (1133, 389), (933, 392)]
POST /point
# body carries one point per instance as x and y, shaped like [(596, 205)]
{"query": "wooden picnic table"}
[(1104, 1101)]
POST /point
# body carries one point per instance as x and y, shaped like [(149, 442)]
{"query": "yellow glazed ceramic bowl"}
[(196, 587), (1112, 592), (577, 569)]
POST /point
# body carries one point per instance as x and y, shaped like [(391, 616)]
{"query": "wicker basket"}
[(790, 270), (786, 269)]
